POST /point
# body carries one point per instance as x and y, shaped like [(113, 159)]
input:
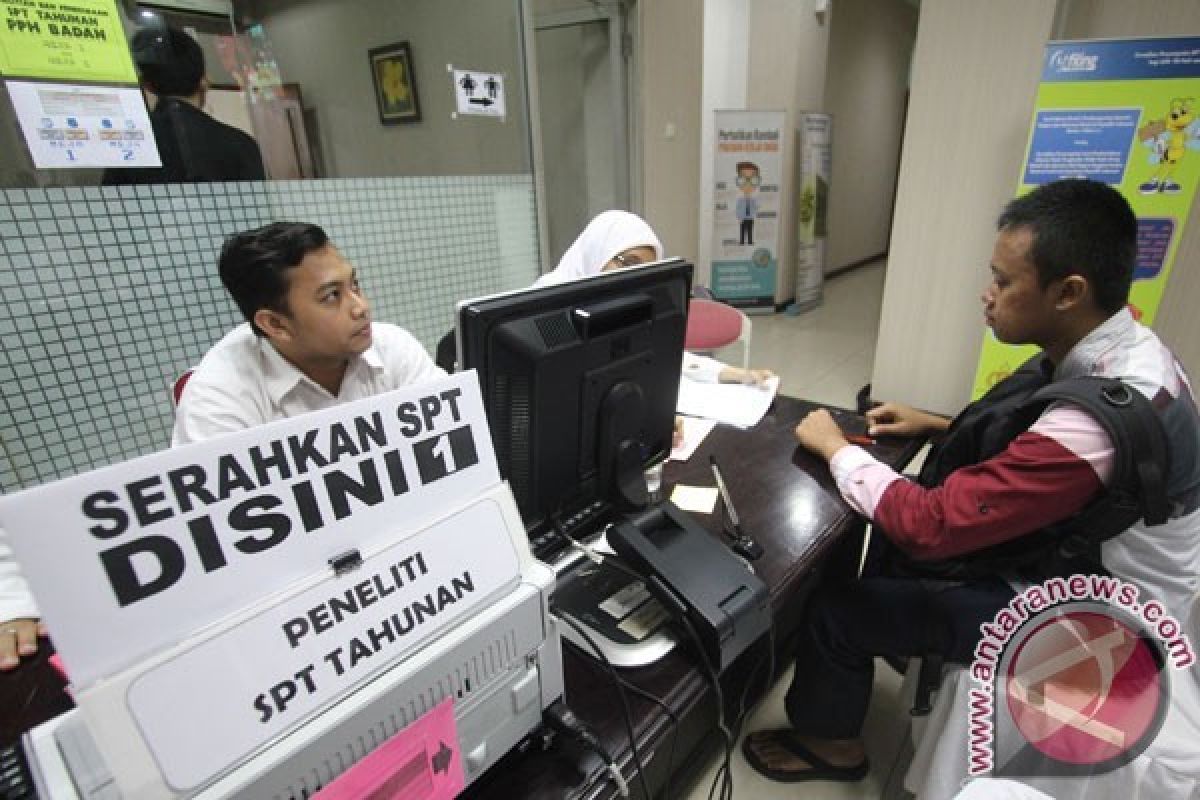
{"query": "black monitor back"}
[(578, 379)]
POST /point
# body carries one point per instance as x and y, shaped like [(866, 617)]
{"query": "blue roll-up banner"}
[(748, 176)]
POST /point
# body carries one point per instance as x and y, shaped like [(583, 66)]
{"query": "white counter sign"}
[(130, 559)]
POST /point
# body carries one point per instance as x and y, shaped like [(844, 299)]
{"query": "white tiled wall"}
[(107, 294)]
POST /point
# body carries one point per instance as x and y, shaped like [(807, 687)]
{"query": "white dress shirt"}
[(243, 381), (15, 600)]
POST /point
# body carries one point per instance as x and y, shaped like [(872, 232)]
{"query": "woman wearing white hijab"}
[(612, 239), (615, 239)]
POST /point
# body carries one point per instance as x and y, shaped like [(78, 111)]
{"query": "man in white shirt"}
[(308, 344)]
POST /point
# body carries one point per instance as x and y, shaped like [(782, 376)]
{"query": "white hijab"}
[(608, 234)]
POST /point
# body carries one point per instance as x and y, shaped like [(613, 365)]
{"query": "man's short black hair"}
[(170, 62), (254, 264), (1079, 227)]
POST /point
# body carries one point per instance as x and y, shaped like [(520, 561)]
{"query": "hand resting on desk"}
[(18, 638), (819, 433), (758, 377), (895, 419)]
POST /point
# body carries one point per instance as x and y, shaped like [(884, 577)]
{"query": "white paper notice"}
[(697, 499), (694, 431), (732, 403), (67, 127)]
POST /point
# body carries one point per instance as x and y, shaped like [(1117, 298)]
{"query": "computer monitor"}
[(580, 382)]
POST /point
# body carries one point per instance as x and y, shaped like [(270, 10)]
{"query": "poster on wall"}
[(816, 164), (67, 127), (77, 40), (1125, 112), (748, 177)]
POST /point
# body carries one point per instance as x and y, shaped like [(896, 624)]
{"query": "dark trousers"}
[(746, 232), (31, 694), (848, 622)]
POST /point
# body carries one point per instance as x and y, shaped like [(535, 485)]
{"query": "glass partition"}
[(110, 291)]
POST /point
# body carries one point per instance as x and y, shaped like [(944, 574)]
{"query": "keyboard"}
[(15, 781), (546, 542), (849, 422)]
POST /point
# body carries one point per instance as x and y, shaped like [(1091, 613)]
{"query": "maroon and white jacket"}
[(1052, 471)]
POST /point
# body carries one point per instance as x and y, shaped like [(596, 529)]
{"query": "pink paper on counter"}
[(421, 762)]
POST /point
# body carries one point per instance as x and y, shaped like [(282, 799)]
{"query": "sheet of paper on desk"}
[(697, 499), (694, 431), (733, 403)]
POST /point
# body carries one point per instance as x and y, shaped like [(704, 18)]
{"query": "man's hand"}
[(758, 377), (18, 637), (677, 436), (894, 419), (820, 434)]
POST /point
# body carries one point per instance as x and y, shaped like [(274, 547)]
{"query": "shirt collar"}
[(282, 377), (1082, 360)]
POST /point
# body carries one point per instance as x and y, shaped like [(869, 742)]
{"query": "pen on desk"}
[(858, 438), (743, 545), (729, 509)]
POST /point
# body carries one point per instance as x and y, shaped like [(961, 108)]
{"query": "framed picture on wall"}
[(395, 84)]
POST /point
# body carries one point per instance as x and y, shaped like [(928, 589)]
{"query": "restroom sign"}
[(479, 93)]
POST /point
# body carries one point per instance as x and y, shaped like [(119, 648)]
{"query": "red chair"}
[(177, 387), (712, 325)]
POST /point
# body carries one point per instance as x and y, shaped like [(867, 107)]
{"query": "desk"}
[(787, 501)]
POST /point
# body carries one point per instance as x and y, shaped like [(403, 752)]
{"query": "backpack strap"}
[(1138, 488)]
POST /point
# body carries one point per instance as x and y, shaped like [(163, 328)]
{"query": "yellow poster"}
[(1126, 112), (74, 40)]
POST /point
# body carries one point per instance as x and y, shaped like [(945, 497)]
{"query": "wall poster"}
[(748, 172), (1126, 112)]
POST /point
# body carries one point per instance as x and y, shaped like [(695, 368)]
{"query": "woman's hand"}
[(757, 377)]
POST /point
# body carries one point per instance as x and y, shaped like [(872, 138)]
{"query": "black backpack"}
[(1137, 490)]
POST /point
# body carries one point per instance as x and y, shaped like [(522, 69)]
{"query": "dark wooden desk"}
[(787, 501)]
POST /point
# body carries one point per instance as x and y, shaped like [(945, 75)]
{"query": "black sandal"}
[(819, 769)]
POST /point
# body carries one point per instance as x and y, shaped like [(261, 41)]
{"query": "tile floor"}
[(825, 355)]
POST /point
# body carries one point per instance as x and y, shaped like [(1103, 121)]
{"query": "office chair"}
[(177, 387), (446, 353), (712, 325)]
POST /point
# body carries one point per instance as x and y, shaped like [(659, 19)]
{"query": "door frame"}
[(622, 111)]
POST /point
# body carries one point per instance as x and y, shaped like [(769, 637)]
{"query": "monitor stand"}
[(626, 623)]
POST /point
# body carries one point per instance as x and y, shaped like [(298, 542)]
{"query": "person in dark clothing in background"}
[(193, 146)]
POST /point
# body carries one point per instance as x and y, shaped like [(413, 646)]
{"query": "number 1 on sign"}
[(444, 453)]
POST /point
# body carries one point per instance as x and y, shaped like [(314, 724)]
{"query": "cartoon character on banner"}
[(746, 208), (1168, 139)]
